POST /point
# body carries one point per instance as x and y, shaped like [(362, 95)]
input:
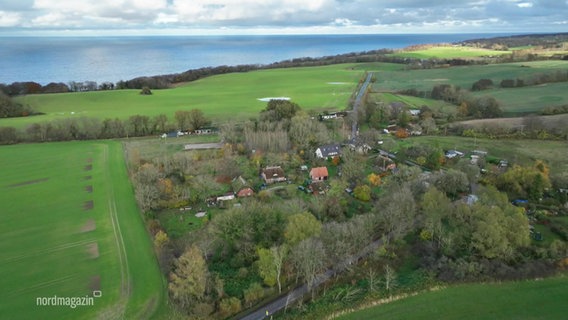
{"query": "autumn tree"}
[(188, 280), (374, 179)]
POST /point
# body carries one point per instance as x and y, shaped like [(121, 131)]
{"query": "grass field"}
[(450, 52), (463, 76), (529, 99), (542, 299), (221, 97), (69, 226)]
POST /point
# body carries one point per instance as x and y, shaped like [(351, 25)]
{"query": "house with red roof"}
[(319, 174)]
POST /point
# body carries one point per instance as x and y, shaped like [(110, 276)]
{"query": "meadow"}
[(230, 96), (70, 227), (533, 299)]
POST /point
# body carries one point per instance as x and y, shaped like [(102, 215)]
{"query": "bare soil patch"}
[(88, 205), (89, 167), (92, 250), (89, 226), (89, 189), (25, 183), (90, 160), (95, 283), (88, 177)]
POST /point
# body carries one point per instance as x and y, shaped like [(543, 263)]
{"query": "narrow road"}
[(357, 102)]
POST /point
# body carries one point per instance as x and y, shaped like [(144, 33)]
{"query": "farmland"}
[(450, 52), (234, 96), (70, 228), (463, 76), (542, 299)]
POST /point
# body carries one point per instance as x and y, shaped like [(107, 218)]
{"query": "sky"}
[(162, 17)]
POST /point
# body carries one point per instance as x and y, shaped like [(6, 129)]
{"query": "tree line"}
[(88, 128)]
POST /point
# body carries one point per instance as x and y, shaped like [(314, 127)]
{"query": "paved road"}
[(357, 102)]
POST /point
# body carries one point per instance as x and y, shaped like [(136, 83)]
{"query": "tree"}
[(396, 211), (197, 119), (229, 306), (435, 207), (254, 293), (279, 109), (159, 123), (374, 179), (301, 226), (309, 258), (188, 281), (389, 278), (146, 91), (452, 182), (270, 262), (362, 192), (182, 119), (266, 267)]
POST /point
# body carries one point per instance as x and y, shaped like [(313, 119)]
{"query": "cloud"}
[(9, 19), (278, 15)]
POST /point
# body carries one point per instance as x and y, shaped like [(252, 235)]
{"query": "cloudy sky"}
[(89, 17)]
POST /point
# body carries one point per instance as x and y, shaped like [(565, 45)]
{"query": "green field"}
[(450, 52), (542, 299), (529, 99), (69, 225), (463, 76), (235, 96)]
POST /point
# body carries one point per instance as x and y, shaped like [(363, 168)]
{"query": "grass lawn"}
[(450, 52), (542, 299), (69, 225), (231, 96)]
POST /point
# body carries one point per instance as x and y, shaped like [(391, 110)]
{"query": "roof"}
[(319, 172), (273, 172), (330, 150), (245, 192)]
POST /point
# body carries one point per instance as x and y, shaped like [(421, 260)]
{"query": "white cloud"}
[(9, 19), (274, 16)]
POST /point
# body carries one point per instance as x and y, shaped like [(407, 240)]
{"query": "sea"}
[(110, 59)]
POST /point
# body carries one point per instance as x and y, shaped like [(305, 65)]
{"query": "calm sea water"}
[(64, 59)]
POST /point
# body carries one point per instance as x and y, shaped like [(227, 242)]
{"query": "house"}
[(245, 192), (328, 151), (319, 174), (273, 174)]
